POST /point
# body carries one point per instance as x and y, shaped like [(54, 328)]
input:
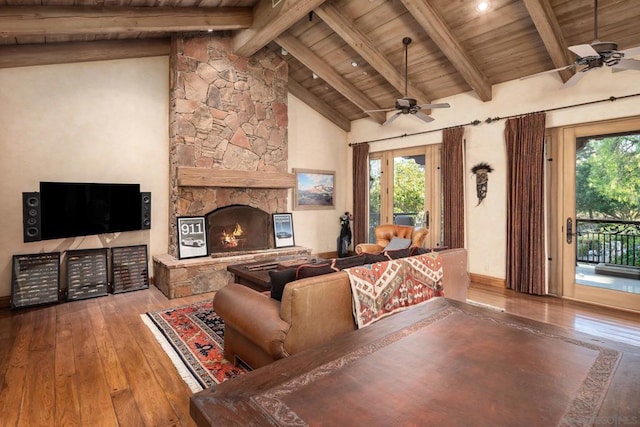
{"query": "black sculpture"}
[(344, 240)]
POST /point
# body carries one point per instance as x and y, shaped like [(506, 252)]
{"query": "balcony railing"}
[(609, 242)]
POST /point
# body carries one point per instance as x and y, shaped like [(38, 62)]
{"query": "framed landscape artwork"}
[(283, 230), (315, 189), (192, 237)]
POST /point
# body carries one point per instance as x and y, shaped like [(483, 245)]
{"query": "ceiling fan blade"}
[(631, 52), (430, 106), (626, 64), (391, 119), (377, 111), (584, 50), (548, 71), (422, 116), (574, 79)]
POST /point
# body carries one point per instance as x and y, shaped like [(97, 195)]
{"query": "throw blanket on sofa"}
[(383, 288)]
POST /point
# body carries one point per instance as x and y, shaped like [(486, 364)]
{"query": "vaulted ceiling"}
[(353, 48)]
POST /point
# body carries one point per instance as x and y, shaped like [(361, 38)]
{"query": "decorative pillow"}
[(353, 261), (398, 243), (399, 253), (311, 270), (419, 250), (279, 278), (377, 257), (415, 250)]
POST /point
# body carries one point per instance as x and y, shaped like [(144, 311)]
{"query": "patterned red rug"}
[(192, 336)]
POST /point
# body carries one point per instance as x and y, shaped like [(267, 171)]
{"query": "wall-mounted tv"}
[(83, 209)]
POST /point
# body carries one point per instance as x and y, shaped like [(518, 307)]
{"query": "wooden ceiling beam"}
[(433, 24), (269, 22), (346, 29), (63, 53), (548, 27), (45, 20), (319, 66), (318, 105)]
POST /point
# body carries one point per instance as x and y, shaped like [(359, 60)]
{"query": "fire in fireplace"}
[(238, 228)]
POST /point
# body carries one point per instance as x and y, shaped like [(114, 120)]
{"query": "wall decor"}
[(35, 279), (129, 268), (192, 237), (315, 189), (86, 273), (481, 171), (283, 230)]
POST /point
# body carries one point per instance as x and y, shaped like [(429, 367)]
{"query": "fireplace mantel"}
[(204, 177)]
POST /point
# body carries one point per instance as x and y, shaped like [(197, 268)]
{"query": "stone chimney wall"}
[(227, 112)]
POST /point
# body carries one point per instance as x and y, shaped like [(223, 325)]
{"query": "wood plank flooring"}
[(94, 362)]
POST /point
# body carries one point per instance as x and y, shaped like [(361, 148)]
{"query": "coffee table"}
[(256, 274)]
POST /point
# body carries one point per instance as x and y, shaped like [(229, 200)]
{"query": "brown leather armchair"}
[(385, 232)]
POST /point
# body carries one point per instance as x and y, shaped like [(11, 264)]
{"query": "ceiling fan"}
[(597, 54), (408, 105)]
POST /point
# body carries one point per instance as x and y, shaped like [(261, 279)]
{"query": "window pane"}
[(409, 190), (375, 186)]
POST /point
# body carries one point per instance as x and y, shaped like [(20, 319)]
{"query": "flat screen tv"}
[(83, 209)]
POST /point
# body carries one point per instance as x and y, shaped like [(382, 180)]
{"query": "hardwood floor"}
[(90, 362), (94, 362)]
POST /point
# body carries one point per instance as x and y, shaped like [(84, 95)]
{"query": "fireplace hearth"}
[(238, 228)]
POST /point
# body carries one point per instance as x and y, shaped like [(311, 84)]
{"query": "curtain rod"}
[(495, 119)]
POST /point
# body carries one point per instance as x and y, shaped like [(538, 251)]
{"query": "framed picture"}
[(283, 230), (315, 189), (35, 279), (192, 237)]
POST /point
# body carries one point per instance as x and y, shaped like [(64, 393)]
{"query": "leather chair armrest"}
[(369, 248), (418, 237), (253, 315)]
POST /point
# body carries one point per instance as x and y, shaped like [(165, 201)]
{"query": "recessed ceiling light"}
[(284, 52), (354, 64), (482, 6), (315, 76)]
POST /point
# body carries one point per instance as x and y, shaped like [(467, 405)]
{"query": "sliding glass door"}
[(404, 189)]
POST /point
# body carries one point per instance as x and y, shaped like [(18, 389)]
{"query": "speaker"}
[(145, 210), (31, 217)]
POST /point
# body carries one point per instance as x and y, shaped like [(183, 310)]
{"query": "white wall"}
[(86, 122), (316, 143), (486, 224)]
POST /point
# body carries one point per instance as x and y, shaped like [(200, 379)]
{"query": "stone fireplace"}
[(228, 147)]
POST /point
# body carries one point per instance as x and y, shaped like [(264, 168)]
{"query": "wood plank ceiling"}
[(455, 48)]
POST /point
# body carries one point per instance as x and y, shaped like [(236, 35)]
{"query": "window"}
[(404, 189)]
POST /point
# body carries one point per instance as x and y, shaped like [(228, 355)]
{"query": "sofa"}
[(260, 330)]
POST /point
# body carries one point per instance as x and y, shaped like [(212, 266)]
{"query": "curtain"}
[(453, 187), (360, 192), (526, 259)]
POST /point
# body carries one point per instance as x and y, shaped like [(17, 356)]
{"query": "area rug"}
[(192, 336)]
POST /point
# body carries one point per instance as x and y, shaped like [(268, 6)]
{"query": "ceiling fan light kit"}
[(406, 105), (598, 54)]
